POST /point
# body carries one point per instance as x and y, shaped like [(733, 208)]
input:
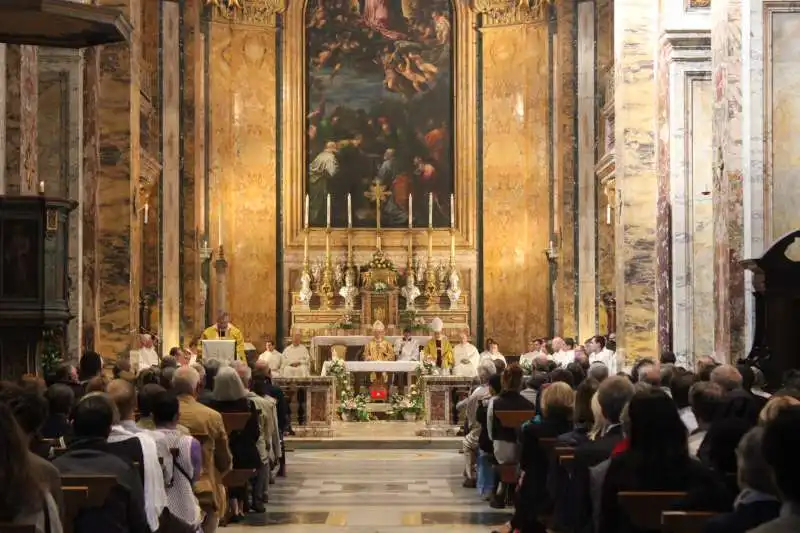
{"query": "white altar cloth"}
[(358, 340), (381, 366)]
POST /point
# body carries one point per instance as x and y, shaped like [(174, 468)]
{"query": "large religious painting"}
[(379, 110)]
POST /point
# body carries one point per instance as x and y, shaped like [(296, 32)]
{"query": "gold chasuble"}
[(431, 355), (379, 350), (231, 333)]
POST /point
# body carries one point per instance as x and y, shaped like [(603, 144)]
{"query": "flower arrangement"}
[(353, 407), (426, 368), (380, 262), (380, 286), (410, 404), (345, 322), (527, 366), (51, 351), (337, 370)]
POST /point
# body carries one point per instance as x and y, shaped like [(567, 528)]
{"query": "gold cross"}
[(377, 193)]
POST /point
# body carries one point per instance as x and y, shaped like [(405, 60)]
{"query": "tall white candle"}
[(146, 212), (349, 211), (219, 227), (430, 209), (306, 213), (329, 211), (608, 214), (410, 212), (452, 212)]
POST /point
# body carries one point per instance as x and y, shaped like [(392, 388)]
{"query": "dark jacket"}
[(745, 517), (242, 443), (123, 509), (56, 426), (481, 415), (508, 401), (626, 474)]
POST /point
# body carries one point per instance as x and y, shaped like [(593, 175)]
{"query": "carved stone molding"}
[(247, 12), (510, 12)]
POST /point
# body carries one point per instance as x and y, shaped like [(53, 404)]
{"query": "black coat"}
[(508, 401), (242, 443), (123, 510)]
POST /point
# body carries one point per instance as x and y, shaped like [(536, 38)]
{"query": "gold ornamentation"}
[(253, 12), (699, 3), (508, 12)]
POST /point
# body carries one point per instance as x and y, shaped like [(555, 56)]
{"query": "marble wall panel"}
[(587, 182), (242, 146), (21, 145), (727, 194), (564, 114), (170, 175), (664, 207), (635, 39), (89, 201), (515, 183), (783, 113)]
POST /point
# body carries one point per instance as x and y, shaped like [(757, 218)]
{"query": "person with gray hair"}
[(486, 369), (727, 377), (758, 500), (201, 420), (598, 371), (230, 396)]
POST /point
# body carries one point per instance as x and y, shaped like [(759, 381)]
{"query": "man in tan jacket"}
[(206, 425)]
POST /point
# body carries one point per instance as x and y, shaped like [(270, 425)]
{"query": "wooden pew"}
[(238, 477), (234, 421), (16, 528), (82, 491), (514, 419), (75, 499), (644, 508), (684, 522)]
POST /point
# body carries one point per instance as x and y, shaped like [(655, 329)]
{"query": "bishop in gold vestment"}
[(379, 349), (438, 350)]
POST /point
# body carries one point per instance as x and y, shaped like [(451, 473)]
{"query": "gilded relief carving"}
[(506, 12), (250, 12), (699, 3)]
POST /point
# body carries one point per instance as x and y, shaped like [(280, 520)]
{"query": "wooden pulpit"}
[(34, 282)]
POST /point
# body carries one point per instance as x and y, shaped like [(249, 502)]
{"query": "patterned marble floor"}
[(373, 491)]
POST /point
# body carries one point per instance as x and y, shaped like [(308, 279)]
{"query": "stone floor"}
[(373, 491), (379, 434)]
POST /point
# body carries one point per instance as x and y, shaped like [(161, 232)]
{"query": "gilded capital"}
[(507, 12), (249, 12)]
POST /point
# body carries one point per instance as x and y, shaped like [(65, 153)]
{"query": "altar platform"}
[(377, 435)]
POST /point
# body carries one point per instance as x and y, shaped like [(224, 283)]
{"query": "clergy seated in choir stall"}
[(296, 359), (223, 329), (378, 349), (492, 351), (598, 353), (466, 357), (272, 357), (438, 350), (534, 350), (148, 356)]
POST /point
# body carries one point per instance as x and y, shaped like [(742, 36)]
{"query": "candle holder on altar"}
[(326, 287), (431, 284)]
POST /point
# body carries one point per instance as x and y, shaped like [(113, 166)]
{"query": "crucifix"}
[(377, 193)]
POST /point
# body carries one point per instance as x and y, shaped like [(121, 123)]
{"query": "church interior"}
[(322, 173)]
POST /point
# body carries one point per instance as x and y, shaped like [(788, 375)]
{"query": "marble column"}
[(726, 46), (112, 232), (170, 177), (635, 41), (21, 110), (587, 189), (60, 155)]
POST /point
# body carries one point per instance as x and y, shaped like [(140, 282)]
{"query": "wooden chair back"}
[(238, 477), (98, 485), (16, 528), (644, 508), (234, 421), (75, 499), (548, 444), (514, 419), (684, 522)]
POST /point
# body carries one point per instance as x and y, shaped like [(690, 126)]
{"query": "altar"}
[(320, 341)]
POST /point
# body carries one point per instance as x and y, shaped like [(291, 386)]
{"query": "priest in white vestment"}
[(272, 357), (296, 359), (562, 355), (148, 356), (406, 348), (598, 353), (466, 357), (534, 350), (492, 351)]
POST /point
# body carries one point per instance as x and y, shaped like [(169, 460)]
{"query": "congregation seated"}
[(470, 444), (705, 399), (485, 475), (24, 499), (123, 510), (66, 374), (206, 394), (657, 459), (89, 368), (217, 460), (60, 399), (230, 396)]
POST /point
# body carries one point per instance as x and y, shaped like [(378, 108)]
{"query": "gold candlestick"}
[(326, 288), (305, 250), (452, 247), (431, 286)]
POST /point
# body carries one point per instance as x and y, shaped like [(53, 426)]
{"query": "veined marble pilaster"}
[(61, 161), (21, 106), (635, 40), (688, 147), (170, 176), (587, 184), (516, 95), (726, 46)]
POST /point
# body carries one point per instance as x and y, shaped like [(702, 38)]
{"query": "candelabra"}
[(431, 285), (410, 262), (326, 287), (221, 267)]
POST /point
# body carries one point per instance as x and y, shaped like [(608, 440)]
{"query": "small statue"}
[(410, 291), (305, 288), (349, 290), (419, 266), (441, 273), (454, 291), (338, 274), (316, 272)]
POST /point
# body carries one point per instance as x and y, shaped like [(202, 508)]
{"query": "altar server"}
[(296, 359), (438, 350), (272, 357), (599, 353), (466, 357), (407, 347), (223, 330), (492, 351)]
